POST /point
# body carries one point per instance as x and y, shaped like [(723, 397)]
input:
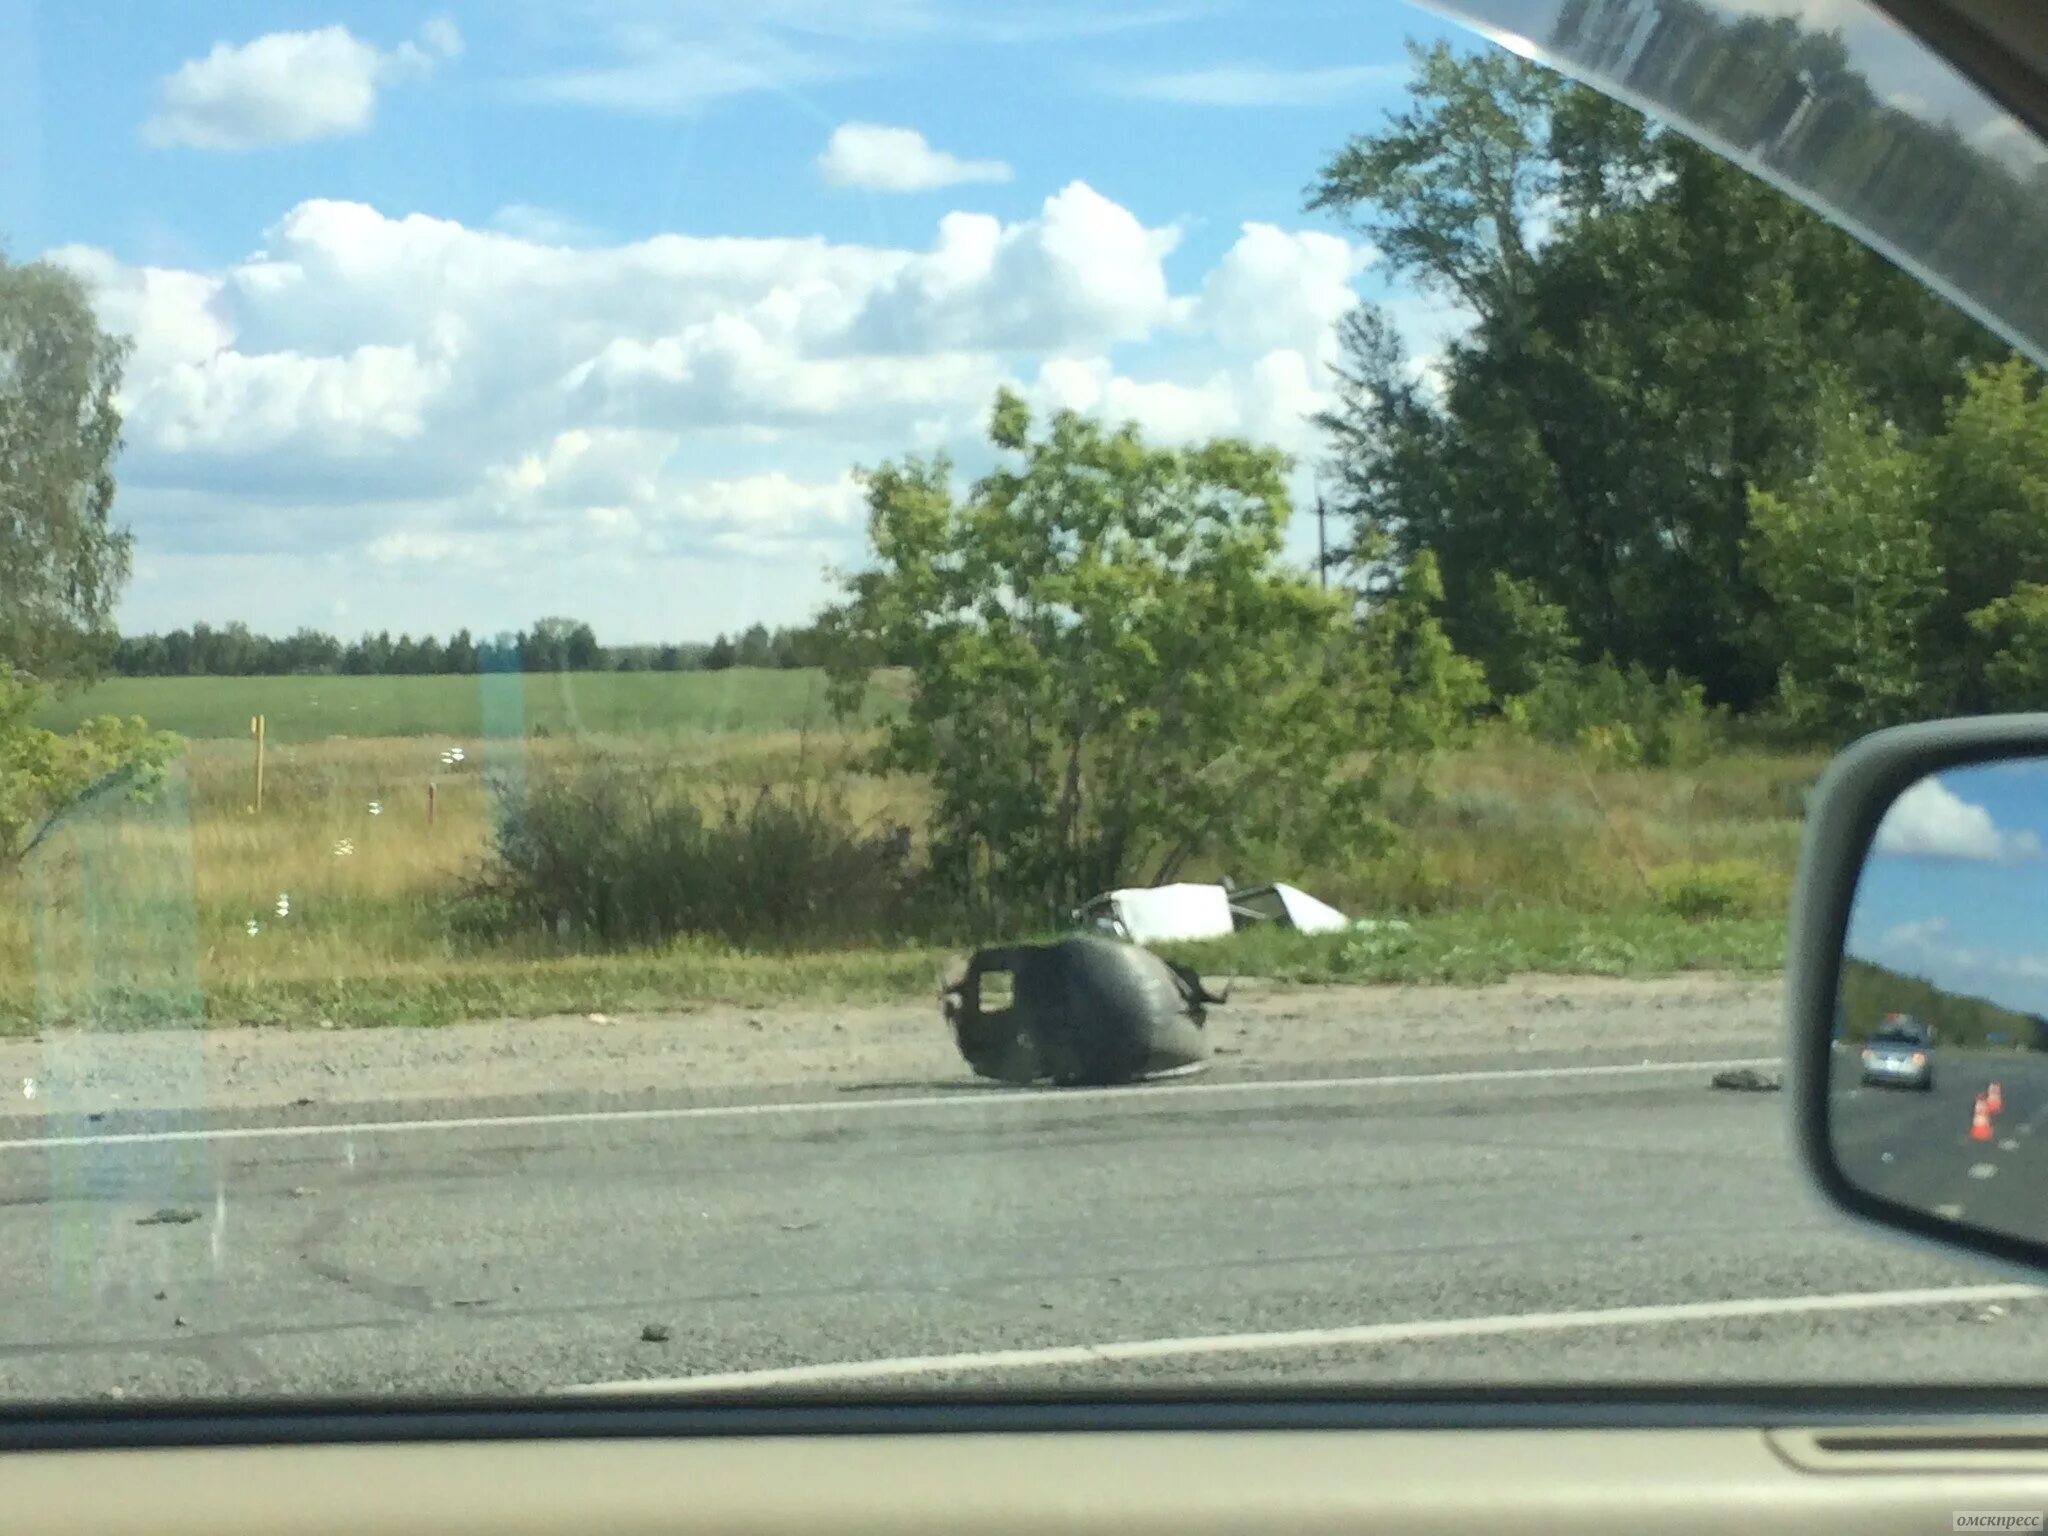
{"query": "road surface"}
[(1583, 1217), (1917, 1148)]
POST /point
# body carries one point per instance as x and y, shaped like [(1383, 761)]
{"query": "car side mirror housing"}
[(1917, 985)]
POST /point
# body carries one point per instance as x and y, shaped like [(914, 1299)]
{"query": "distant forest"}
[(1870, 991), (552, 645)]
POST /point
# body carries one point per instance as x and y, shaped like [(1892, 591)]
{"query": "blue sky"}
[(460, 314), (1956, 887)]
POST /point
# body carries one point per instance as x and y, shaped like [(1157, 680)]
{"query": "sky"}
[(1956, 886), (462, 314)]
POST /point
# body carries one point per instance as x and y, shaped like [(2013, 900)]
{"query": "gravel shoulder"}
[(1268, 1029)]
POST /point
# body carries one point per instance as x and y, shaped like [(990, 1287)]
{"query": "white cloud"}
[(1277, 288), (1083, 273), (287, 87), (542, 226), (877, 158), (1932, 821), (1915, 935), (659, 59), (653, 75), (389, 392), (1254, 85)]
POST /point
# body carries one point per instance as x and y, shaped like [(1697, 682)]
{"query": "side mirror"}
[(1917, 984)]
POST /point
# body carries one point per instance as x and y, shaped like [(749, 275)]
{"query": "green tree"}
[(2014, 628), (1848, 556), (1989, 517), (1649, 329), (1114, 673), (721, 655), (63, 560)]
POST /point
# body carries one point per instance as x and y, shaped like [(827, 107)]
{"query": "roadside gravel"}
[(1268, 1029)]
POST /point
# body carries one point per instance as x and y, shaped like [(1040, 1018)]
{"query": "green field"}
[(307, 709), (1512, 856)]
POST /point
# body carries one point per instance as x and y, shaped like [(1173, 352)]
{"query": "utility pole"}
[(1322, 547)]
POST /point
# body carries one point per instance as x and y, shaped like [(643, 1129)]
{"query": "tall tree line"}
[(1657, 340), (551, 645)]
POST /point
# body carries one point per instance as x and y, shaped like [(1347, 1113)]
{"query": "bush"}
[(1627, 717), (629, 853), (1726, 888)]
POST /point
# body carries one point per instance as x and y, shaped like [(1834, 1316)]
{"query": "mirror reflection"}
[(1938, 1080)]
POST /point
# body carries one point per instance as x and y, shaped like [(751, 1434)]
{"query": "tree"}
[(1115, 674), (460, 655), (754, 648), (559, 645), (668, 659), (1848, 556), (720, 656), (63, 560), (1649, 331)]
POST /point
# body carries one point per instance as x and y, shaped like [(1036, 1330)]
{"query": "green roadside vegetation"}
[(1870, 991)]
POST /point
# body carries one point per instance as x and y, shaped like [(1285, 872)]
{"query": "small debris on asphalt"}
[(177, 1322), (654, 1333), (160, 1295), (1746, 1080), (168, 1216), (597, 1018), (798, 1226), (303, 1191), (1991, 1314)]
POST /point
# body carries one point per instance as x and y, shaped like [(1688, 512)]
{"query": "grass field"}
[(301, 709), (1514, 856)]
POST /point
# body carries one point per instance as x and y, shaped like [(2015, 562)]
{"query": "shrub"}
[(1625, 716), (627, 853), (1726, 888)]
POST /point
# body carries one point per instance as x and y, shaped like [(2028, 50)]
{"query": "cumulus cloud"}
[(414, 393), (1932, 821), (1280, 288), (288, 87), (1083, 273), (876, 158)]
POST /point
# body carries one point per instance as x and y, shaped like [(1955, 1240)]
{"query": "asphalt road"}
[(1424, 1230), (1917, 1147)]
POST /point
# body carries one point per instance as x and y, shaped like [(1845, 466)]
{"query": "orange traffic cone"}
[(1993, 1099), (1980, 1122)]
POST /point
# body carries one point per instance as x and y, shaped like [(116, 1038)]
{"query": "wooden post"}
[(1322, 548), (256, 730), (430, 802)]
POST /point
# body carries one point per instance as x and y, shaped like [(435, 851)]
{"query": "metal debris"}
[(168, 1216), (1746, 1080), (1084, 1009)]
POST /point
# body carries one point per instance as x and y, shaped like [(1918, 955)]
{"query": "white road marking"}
[(1141, 1093), (1310, 1338), (2010, 1144), (1983, 1170), (1949, 1212)]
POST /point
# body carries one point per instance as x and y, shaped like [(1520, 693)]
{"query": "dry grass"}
[(1528, 838)]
